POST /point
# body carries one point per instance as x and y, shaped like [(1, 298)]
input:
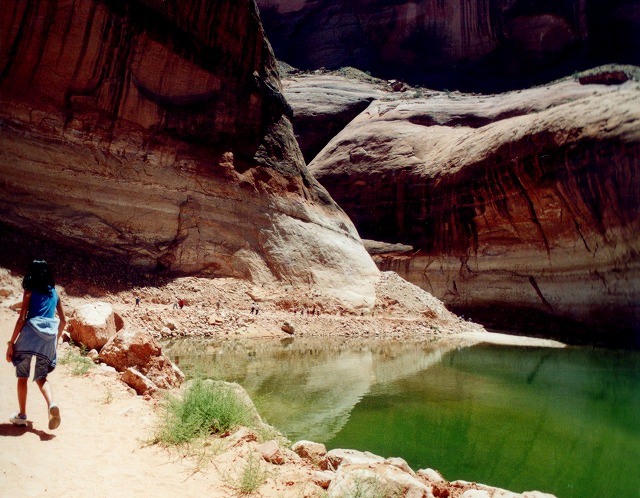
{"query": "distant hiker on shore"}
[(137, 301), (36, 333)]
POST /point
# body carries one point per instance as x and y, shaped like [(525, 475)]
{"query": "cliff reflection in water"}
[(307, 388), (566, 421)]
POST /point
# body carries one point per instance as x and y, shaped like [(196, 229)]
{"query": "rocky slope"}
[(519, 206), (470, 44), (155, 131)]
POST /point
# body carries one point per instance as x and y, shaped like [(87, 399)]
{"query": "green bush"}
[(205, 409)]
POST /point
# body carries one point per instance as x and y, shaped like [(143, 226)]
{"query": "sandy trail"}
[(98, 450)]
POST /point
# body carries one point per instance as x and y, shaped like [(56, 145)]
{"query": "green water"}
[(564, 421)]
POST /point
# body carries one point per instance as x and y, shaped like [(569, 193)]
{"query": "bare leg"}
[(22, 395), (45, 389)]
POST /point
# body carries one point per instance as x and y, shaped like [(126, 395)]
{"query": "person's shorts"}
[(23, 367)]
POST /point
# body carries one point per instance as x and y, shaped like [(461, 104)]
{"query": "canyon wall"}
[(521, 208), (474, 45), (155, 132), (323, 105)]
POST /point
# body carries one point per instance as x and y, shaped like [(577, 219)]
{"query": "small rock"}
[(323, 478), (316, 453), (272, 453), (337, 457), (475, 493), (288, 328), (605, 78), (137, 381), (401, 464), (431, 475), (241, 436)]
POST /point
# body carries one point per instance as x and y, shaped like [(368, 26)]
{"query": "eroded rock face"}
[(518, 206), (155, 131), (323, 105), (466, 44)]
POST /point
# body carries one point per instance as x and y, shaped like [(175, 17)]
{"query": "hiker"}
[(36, 333), (137, 301)]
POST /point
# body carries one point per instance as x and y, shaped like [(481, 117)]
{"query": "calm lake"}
[(564, 421)]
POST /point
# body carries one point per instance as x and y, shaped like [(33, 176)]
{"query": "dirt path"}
[(97, 451)]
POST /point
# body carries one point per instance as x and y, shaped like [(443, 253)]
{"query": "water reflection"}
[(566, 421), (305, 387)]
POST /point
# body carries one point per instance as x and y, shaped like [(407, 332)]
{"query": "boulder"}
[(92, 325), (139, 350)]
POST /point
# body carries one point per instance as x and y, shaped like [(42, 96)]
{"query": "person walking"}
[(36, 333)]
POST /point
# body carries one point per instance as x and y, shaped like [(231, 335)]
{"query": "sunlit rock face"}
[(519, 206), (155, 131), (323, 105), (467, 44)]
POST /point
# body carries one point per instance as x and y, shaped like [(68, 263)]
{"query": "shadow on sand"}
[(11, 430)]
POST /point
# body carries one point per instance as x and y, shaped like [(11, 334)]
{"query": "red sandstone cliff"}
[(518, 206), (467, 44), (155, 131)]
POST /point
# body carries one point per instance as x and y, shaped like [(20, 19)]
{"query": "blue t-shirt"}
[(43, 304)]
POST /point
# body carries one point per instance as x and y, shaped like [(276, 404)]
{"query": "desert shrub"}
[(251, 476), (373, 487), (76, 359), (204, 409)]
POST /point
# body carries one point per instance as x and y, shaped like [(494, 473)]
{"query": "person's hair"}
[(38, 278)]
